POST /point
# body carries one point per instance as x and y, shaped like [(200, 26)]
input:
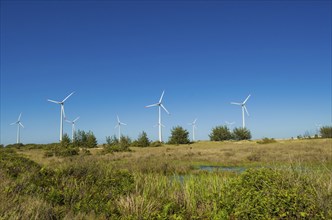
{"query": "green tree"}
[(112, 141), (241, 134), (125, 143), (220, 133), (179, 136), (91, 140), (142, 140), (326, 132), (65, 140)]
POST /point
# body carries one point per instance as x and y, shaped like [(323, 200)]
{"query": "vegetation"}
[(220, 133), (282, 180), (179, 136), (84, 139), (326, 132), (114, 145), (241, 134), (266, 141), (142, 140)]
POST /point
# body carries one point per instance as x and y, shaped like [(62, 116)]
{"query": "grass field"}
[(289, 179)]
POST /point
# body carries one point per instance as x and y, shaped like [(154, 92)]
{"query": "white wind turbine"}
[(194, 126), (230, 124), (19, 124), (72, 127), (160, 105), (118, 125), (62, 112), (244, 108)]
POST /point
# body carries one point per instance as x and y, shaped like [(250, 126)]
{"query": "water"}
[(221, 168)]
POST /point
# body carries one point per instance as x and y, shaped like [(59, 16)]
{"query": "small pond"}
[(222, 168)]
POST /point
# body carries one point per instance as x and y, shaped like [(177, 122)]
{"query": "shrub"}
[(113, 145), (179, 136), (85, 139), (266, 141), (270, 194), (156, 144), (142, 140), (220, 133), (326, 132), (241, 134)]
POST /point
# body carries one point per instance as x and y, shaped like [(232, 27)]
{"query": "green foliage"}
[(142, 140), (17, 146), (113, 144), (266, 141), (270, 194), (326, 132), (241, 134), (85, 139), (65, 140), (220, 133), (77, 187), (156, 144), (179, 136)]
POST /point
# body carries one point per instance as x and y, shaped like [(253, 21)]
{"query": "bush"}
[(156, 144), (326, 132), (241, 134), (85, 139), (113, 145), (266, 141), (142, 140), (179, 136), (270, 194), (220, 133)]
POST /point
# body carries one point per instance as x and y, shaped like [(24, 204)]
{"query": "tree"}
[(179, 136), (326, 132), (65, 140), (241, 134), (91, 140), (220, 133), (143, 140)]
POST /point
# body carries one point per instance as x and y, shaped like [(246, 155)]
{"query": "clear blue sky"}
[(118, 56)]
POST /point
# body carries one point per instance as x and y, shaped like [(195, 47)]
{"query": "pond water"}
[(221, 168)]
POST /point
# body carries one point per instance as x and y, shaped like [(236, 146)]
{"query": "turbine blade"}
[(76, 119), (118, 119), (13, 123), (236, 103), (245, 108), (21, 124), (164, 108), (116, 126), (161, 97), (19, 117), (69, 121), (123, 123), (53, 101), (195, 121), (162, 125), (246, 99), (148, 106), (68, 96)]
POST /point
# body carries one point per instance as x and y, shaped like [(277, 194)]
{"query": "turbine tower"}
[(160, 105), (230, 124), (118, 125), (62, 112), (19, 124), (244, 108), (194, 126), (72, 127)]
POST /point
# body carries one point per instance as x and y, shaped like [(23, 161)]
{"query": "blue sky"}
[(118, 56)]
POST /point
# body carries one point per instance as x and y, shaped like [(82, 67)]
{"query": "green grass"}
[(289, 179)]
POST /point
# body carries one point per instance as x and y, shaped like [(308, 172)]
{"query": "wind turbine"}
[(230, 124), (244, 108), (19, 124), (318, 126), (118, 125), (160, 105), (72, 127), (62, 112), (194, 126)]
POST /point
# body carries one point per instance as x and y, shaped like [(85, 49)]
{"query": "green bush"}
[(220, 133), (142, 140), (270, 194), (326, 132), (266, 141), (241, 134), (179, 136), (113, 145), (85, 139), (156, 144)]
